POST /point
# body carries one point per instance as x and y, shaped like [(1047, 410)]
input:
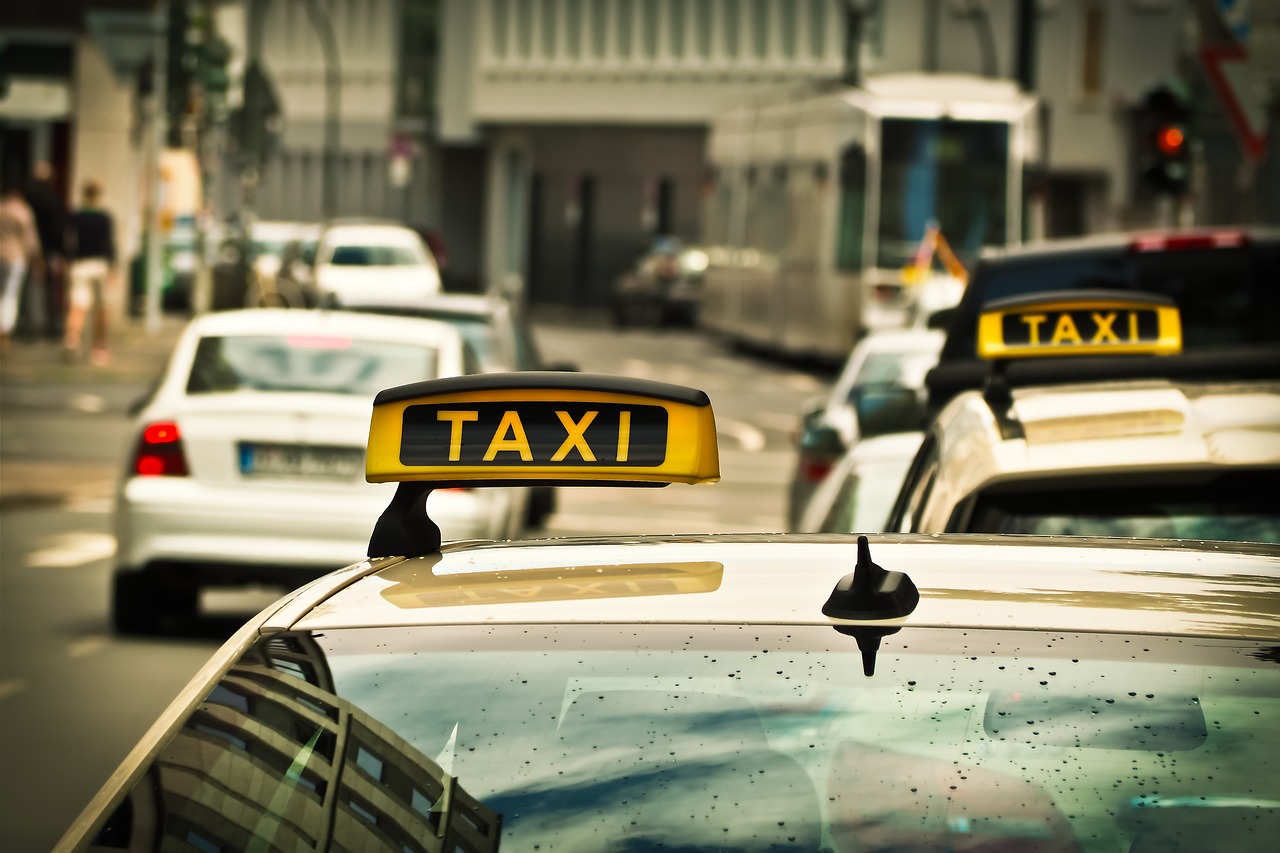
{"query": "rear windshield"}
[(1240, 507), (327, 363), (375, 256), (743, 738), (1226, 296)]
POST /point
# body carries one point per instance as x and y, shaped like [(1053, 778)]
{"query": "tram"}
[(816, 206)]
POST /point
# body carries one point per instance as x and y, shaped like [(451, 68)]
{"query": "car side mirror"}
[(884, 409), (821, 440)]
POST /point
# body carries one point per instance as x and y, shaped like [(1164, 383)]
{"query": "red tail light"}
[(814, 470), (159, 452), (1176, 242)]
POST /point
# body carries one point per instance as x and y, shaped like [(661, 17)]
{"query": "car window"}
[(714, 738), (374, 256), (1242, 506), (328, 363), (896, 368)]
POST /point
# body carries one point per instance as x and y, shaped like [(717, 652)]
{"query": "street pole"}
[(159, 130), (332, 108)]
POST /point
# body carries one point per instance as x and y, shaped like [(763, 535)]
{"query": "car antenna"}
[(404, 529), (870, 593)]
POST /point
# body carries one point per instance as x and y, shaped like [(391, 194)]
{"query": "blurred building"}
[(549, 141)]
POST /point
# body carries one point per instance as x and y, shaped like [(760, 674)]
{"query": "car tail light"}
[(1183, 242), (886, 292), (814, 469), (160, 452)]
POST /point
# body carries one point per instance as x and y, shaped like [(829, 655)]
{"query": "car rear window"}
[(331, 364), (740, 737), (1226, 295), (374, 256)]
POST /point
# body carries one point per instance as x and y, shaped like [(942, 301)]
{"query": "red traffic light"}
[(1170, 140)]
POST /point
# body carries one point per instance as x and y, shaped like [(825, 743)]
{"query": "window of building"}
[(760, 29), (600, 11), (732, 29), (624, 25), (817, 43), (550, 24), (649, 28), (853, 205), (704, 27), (501, 13), (787, 30), (677, 14), (524, 28)]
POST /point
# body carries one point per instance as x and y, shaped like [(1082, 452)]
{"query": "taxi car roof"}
[(1075, 584), (1117, 426), (1121, 240)]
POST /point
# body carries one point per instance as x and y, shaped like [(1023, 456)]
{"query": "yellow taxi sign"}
[(1079, 323), (547, 427)]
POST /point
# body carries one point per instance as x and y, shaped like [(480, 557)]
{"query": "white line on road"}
[(70, 550), (87, 646), (11, 687), (92, 403), (748, 437)]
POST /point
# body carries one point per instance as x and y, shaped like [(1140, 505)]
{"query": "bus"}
[(816, 206)]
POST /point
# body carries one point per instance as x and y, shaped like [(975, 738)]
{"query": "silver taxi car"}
[(735, 692), (1105, 447)]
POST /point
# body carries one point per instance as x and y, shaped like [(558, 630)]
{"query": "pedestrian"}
[(92, 246), (20, 258), (51, 222)]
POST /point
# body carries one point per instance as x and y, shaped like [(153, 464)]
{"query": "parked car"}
[(664, 288), (246, 463), (744, 692), (1139, 443), (276, 248), (503, 341), (857, 495), (880, 390), (373, 261)]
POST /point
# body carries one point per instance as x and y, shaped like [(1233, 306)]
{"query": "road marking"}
[(70, 550), (92, 403), (11, 687), (92, 506), (778, 420), (748, 437), (85, 647)]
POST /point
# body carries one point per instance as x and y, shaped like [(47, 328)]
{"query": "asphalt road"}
[(74, 697)]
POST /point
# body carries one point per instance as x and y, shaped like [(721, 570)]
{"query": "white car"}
[(369, 262), (247, 463), (858, 494), (879, 391)]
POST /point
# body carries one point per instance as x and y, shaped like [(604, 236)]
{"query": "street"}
[(74, 698)]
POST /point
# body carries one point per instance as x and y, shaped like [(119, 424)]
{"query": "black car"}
[(1225, 283)]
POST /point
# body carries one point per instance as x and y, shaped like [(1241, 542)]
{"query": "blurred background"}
[(542, 145)]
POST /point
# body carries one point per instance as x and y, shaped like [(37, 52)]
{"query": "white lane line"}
[(92, 506), (748, 437), (778, 420), (92, 403), (11, 687), (87, 646), (70, 550)]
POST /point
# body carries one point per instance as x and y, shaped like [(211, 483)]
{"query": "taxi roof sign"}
[(555, 428), (1079, 322)]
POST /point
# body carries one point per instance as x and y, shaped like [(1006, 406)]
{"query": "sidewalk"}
[(137, 355)]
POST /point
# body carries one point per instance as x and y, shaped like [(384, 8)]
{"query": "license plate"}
[(300, 461)]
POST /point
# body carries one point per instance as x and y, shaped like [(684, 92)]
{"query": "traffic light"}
[(180, 71), (1163, 143)]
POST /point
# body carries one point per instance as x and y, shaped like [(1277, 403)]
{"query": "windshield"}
[(723, 738), (1239, 507), (328, 363), (896, 368), (952, 173)]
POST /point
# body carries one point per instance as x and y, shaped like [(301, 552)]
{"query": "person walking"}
[(20, 258), (50, 211), (91, 244)]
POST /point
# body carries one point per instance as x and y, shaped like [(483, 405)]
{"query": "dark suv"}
[(1226, 283)]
